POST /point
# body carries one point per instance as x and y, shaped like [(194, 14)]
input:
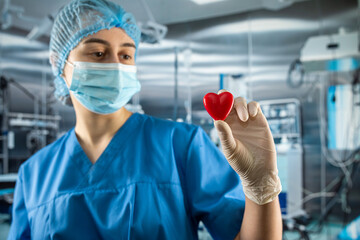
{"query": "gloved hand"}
[(249, 147)]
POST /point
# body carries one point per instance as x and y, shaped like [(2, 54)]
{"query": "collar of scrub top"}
[(93, 173)]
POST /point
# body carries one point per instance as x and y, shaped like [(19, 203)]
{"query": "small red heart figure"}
[(218, 106)]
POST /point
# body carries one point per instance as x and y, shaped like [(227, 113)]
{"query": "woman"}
[(119, 175)]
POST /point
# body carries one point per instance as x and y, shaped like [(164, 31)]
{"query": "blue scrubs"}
[(155, 180)]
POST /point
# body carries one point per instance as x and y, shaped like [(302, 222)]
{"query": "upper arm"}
[(20, 228), (213, 188)]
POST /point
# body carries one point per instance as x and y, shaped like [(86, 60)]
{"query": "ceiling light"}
[(201, 2)]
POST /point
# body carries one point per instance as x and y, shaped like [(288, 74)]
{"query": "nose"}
[(114, 57)]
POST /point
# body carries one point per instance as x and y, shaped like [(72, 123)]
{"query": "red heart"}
[(218, 106)]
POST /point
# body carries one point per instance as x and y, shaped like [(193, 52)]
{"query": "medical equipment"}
[(337, 52), (151, 31), (235, 83), (351, 231), (332, 60), (329, 47), (9, 11), (7, 184), (343, 110), (284, 118), (21, 130)]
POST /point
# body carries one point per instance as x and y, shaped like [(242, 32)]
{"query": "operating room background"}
[(256, 44)]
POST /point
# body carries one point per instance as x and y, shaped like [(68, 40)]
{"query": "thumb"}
[(228, 142)]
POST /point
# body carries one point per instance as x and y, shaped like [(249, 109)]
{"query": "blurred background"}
[(299, 58)]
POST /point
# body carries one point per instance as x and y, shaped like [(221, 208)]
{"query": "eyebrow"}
[(98, 40)]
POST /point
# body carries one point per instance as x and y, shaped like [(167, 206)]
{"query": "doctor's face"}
[(106, 46)]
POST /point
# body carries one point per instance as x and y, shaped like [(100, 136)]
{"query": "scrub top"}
[(155, 180)]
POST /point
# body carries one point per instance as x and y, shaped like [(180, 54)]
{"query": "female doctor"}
[(119, 175)]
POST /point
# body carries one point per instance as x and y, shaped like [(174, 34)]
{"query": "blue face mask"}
[(104, 87)]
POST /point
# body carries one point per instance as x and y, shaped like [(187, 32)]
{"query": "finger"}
[(253, 108), (225, 134), (221, 91), (241, 108)]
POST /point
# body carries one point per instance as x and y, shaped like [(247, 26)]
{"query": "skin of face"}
[(106, 46)]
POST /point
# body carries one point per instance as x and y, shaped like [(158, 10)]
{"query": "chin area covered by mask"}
[(103, 88)]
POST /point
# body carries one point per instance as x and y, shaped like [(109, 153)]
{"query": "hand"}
[(249, 147)]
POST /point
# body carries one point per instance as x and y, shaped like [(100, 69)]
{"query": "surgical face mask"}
[(103, 87)]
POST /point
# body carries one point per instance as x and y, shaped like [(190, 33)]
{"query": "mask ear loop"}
[(62, 74)]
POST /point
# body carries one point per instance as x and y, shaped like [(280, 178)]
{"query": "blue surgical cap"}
[(77, 20)]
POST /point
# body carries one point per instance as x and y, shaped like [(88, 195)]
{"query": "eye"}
[(126, 57), (98, 54)]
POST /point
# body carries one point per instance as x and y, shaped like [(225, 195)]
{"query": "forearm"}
[(261, 221)]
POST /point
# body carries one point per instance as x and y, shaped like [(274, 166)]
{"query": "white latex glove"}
[(249, 147)]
